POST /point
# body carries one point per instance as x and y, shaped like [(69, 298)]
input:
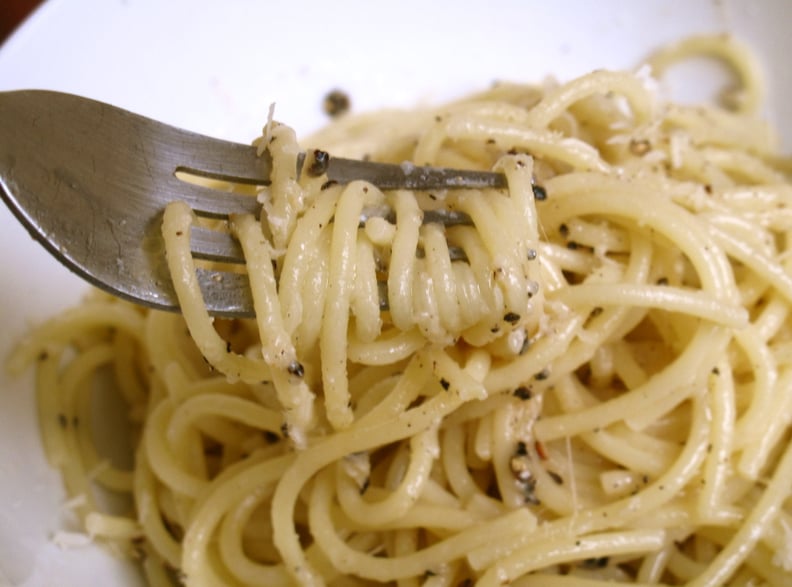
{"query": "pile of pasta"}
[(587, 381)]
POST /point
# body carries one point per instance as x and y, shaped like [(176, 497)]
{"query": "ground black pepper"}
[(336, 102)]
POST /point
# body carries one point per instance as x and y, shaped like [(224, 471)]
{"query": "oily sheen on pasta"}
[(588, 381)]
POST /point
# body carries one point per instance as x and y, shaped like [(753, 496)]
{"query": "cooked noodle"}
[(598, 389)]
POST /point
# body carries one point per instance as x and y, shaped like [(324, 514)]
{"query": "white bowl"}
[(215, 68)]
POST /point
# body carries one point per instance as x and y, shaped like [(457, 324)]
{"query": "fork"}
[(90, 182)]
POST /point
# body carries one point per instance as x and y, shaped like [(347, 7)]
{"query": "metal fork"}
[(90, 181)]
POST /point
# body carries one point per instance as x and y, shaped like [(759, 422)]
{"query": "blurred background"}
[(12, 13)]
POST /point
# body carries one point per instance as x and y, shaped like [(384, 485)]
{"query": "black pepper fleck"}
[(320, 163), (522, 449), (522, 392), (296, 369), (511, 317), (336, 103), (542, 375)]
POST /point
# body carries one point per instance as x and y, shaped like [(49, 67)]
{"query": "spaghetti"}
[(589, 382)]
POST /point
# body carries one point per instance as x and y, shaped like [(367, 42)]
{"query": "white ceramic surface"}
[(214, 67)]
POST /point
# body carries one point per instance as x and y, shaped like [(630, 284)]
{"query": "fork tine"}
[(213, 245), (211, 203), (216, 158), (226, 295)]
